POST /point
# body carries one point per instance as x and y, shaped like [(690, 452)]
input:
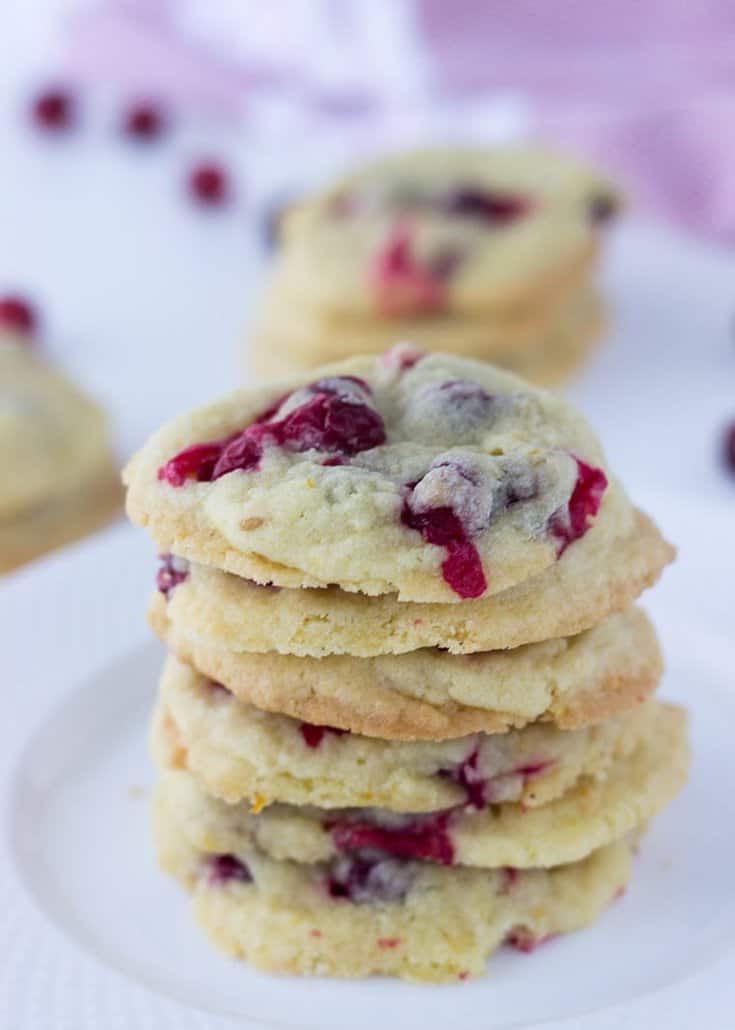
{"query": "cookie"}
[(592, 813), (544, 348), (597, 577), (53, 439), (69, 517), (431, 695), (363, 914), (435, 232), (435, 478), (240, 752)]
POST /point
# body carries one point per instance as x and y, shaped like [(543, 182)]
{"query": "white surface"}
[(144, 299)]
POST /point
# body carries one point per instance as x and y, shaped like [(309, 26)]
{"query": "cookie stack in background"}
[(58, 475), (407, 714), (487, 254)]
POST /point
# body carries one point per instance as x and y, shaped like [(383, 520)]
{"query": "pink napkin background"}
[(645, 86)]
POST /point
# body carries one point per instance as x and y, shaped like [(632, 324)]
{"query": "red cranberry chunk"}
[(209, 184), (313, 735), (482, 205), (54, 110), (144, 121), (195, 462), (468, 776), (569, 524), (17, 314), (462, 568), (171, 572), (324, 421), (366, 879), (522, 939), (402, 284), (222, 869), (423, 838), (243, 452), (728, 448)]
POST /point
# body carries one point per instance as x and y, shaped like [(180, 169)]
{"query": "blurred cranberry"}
[(144, 121), (209, 184), (54, 110), (728, 448), (17, 314)]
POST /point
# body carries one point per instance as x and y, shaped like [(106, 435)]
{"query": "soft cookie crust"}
[(472, 482), (429, 694), (241, 752), (441, 925), (596, 577), (592, 813)]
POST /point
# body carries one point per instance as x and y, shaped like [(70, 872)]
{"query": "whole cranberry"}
[(144, 121), (18, 315), (54, 110), (209, 184)]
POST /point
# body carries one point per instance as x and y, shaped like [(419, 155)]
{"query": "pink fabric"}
[(645, 86)]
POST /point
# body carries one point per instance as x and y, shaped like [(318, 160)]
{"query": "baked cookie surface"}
[(435, 478), (52, 437), (240, 752), (596, 577), (363, 914), (593, 812), (432, 695), (445, 231)]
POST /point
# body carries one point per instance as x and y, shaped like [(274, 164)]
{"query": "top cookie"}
[(52, 437), (455, 231), (431, 477)]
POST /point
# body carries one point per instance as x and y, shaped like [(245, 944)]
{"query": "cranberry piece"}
[(468, 776), (171, 572), (242, 452), (728, 448), (479, 204), (209, 184), (222, 869), (313, 735), (195, 462), (462, 568), (144, 121), (365, 879), (54, 110), (522, 939), (424, 838), (402, 356), (570, 523), (325, 421), (402, 285), (17, 314)]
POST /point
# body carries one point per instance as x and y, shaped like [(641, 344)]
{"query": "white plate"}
[(80, 842)]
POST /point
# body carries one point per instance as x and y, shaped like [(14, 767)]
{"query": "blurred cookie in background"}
[(491, 252), (59, 479)]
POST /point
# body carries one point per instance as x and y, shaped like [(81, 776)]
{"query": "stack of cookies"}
[(58, 476), (407, 714), (487, 254)]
